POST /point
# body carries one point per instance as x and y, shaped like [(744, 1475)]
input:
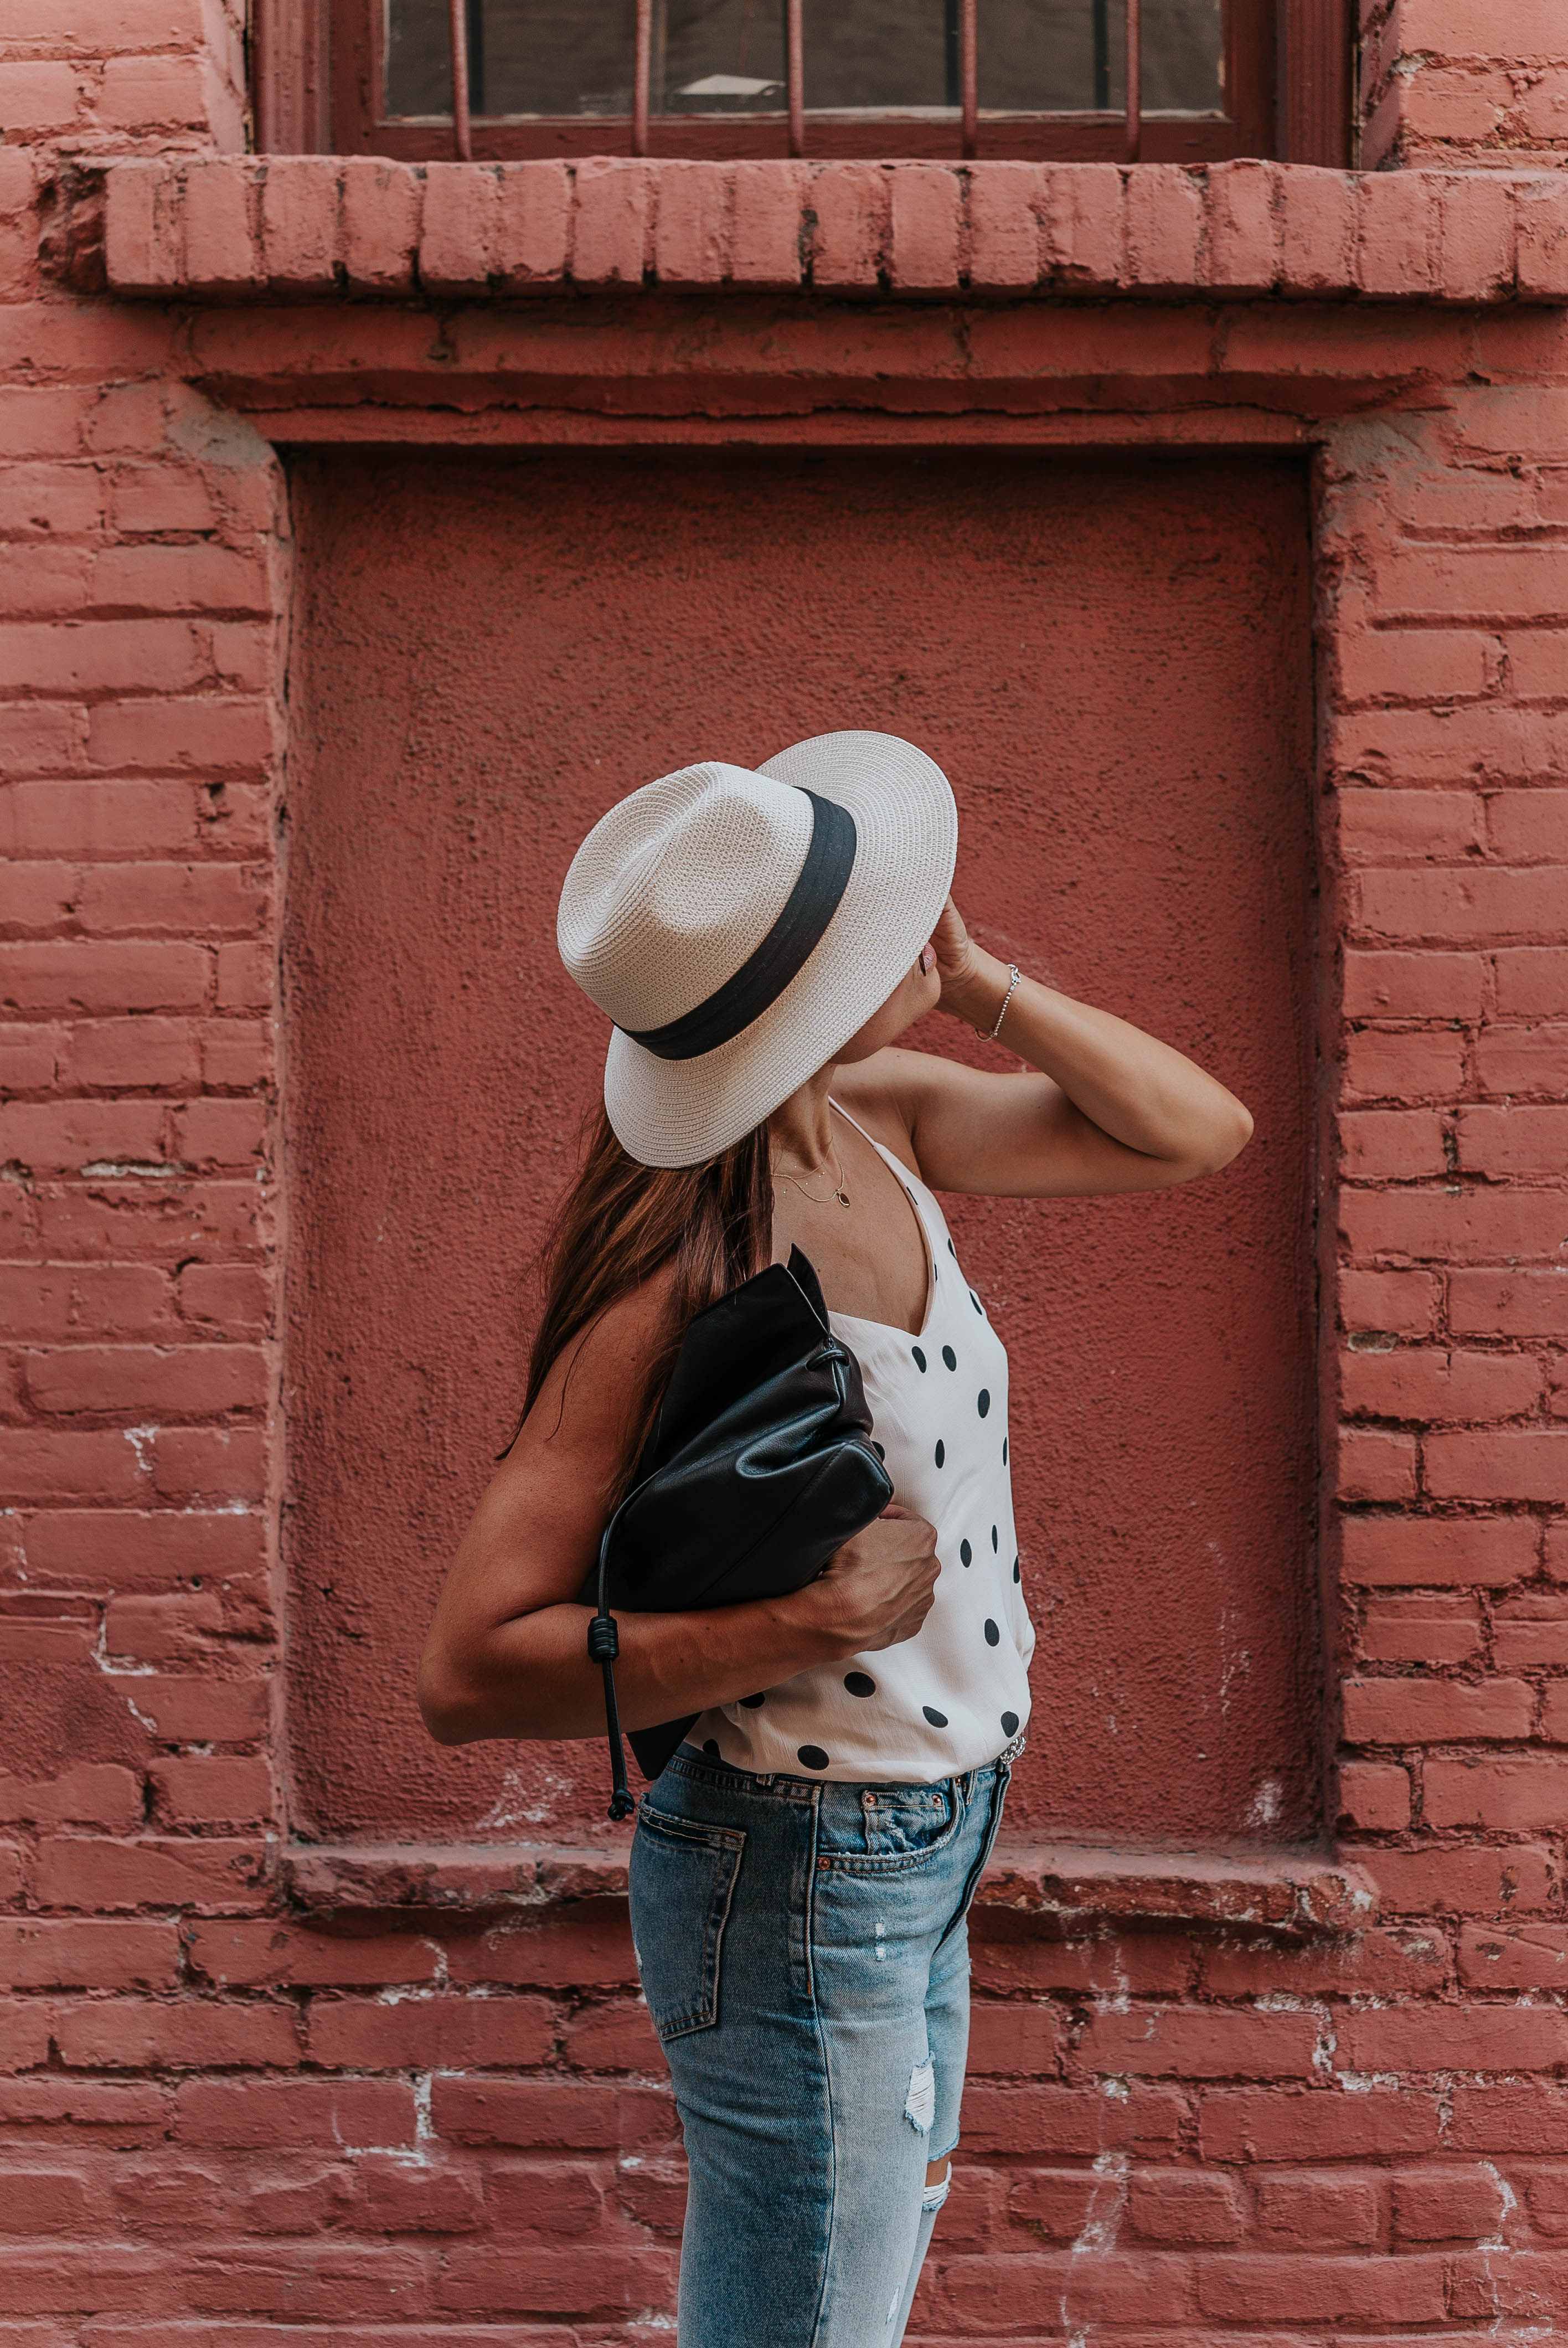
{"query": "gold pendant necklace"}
[(839, 1192)]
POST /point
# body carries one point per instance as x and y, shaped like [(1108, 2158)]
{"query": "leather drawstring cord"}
[(603, 1646)]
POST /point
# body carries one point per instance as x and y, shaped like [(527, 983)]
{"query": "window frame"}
[(319, 72)]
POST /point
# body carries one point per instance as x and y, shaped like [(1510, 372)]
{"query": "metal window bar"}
[(968, 75), (461, 127), (642, 74), (960, 76), (465, 43), (795, 73), (1134, 108)]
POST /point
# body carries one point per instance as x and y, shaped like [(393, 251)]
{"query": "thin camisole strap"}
[(912, 1187), (880, 1147)]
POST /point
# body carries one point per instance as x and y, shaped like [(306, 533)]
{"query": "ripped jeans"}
[(804, 1955)]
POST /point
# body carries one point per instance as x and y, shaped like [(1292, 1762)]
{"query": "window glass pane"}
[(559, 56), (881, 55), (1183, 57), (718, 56), (727, 56), (418, 57), (524, 57), (1052, 56), (1069, 56)]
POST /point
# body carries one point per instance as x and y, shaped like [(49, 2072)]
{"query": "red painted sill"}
[(1056, 1884), (259, 229)]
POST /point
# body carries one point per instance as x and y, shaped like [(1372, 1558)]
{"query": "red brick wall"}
[(1481, 83), (124, 75), (222, 2115)]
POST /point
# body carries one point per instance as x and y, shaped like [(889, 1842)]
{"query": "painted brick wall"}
[(224, 2121), (1464, 81), (124, 74)]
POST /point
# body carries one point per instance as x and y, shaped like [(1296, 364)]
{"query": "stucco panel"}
[(1113, 662)]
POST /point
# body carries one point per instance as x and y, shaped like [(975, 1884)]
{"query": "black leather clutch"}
[(760, 1466)]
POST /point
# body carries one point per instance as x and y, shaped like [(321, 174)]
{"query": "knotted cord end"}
[(603, 1639), (603, 1646)]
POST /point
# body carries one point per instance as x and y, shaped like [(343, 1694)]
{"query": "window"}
[(1179, 81)]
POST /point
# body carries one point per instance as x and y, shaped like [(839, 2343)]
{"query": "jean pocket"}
[(682, 1880), (898, 1829), (908, 1824)]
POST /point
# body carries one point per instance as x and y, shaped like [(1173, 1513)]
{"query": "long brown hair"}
[(620, 1222)]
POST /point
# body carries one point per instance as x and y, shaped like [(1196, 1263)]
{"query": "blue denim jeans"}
[(804, 1955)]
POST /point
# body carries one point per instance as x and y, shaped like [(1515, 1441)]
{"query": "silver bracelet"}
[(990, 1034)]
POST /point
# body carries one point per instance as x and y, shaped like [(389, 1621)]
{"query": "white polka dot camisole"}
[(952, 1697)]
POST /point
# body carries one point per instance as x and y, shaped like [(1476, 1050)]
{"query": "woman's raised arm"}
[(1102, 1107)]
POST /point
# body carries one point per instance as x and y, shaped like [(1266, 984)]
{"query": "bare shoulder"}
[(588, 1399), (536, 1529), (891, 1090)]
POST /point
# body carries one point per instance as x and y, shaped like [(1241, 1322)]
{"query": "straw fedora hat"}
[(738, 928)]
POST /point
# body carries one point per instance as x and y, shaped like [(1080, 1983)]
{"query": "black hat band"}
[(762, 977)]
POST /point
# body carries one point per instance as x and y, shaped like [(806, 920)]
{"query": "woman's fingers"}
[(956, 957), (951, 940)]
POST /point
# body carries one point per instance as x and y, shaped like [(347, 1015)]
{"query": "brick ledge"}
[(248, 229), (1057, 1884)]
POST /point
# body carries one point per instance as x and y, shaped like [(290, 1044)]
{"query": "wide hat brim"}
[(679, 1112)]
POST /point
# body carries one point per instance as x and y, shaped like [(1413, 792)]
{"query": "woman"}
[(802, 1869)]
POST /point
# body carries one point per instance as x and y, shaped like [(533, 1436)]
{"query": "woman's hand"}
[(878, 1589), (973, 982)]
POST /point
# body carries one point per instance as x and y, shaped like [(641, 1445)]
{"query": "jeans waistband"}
[(706, 1769)]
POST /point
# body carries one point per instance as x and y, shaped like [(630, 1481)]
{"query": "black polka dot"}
[(937, 1719), (877, 1448), (752, 1702), (1016, 1574), (950, 1358), (941, 1453), (812, 1756), (1009, 1722), (995, 1543), (710, 1745), (966, 1553), (975, 1300), (860, 1682), (1004, 1451), (984, 1403), (920, 1357), (993, 1636)]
